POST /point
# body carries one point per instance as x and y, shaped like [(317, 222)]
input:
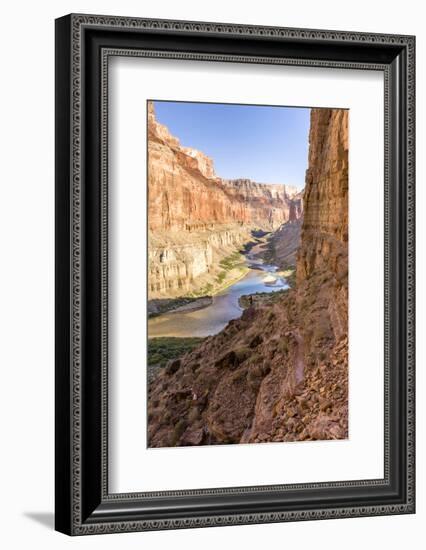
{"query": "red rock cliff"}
[(196, 218), (186, 194), (280, 372)]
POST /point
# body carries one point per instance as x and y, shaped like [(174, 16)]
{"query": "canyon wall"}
[(280, 371), (184, 265), (283, 244), (196, 218)]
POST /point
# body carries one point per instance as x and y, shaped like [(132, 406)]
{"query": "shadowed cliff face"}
[(280, 372), (196, 218)]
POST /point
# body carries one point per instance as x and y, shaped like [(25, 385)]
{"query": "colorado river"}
[(224, 307)]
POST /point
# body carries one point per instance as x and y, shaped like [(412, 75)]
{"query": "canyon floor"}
[(228, 271), (250, 256)]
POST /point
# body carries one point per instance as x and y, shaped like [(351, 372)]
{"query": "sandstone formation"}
[(280, 372), (196, 218), (284, 243)]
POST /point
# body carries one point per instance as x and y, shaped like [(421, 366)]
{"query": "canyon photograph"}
[(247, 284)]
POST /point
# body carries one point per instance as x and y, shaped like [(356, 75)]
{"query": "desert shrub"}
[(155, 358), (201, 292), (162, 350), (221, 276), (231, 261)]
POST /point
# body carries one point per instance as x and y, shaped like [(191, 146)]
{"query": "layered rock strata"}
[(280, 372), (180, 265), (196, 218)]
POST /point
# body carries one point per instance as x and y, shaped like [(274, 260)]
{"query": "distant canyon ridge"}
[(196, 218)]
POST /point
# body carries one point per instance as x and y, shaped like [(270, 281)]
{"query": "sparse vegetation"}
[(233, 268), (160, 306), (232, 261), (207, 290), (221, 277), (162, 350)]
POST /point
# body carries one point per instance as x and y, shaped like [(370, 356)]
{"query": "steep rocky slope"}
[(280, 372), (284, 243), (196, 218)]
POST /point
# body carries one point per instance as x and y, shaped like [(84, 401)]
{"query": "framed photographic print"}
[(234, 274)]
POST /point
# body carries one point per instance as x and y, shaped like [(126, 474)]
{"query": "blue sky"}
[(264, 144)]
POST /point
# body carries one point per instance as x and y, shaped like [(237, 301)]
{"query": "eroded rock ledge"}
[(280, 372)]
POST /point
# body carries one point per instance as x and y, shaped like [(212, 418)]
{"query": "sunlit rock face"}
[(325, 226), (195, 218), (280, 372)]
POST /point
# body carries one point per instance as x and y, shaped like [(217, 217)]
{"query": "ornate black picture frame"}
[(84, 44)]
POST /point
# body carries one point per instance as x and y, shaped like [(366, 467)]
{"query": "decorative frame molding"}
[(83, 504)]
